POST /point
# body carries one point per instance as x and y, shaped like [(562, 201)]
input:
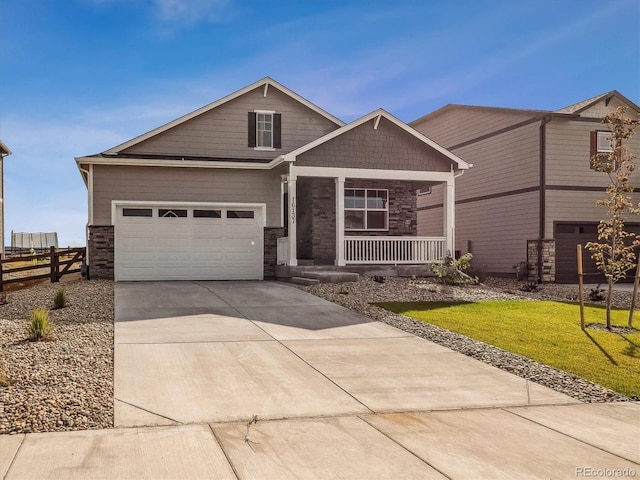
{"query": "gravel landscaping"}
[(65, 383), (360, 295)]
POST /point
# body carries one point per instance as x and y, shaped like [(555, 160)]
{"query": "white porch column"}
[(293, 243), (449, 215), (340, 222)]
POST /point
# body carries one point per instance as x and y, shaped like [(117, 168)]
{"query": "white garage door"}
[(177, 242)]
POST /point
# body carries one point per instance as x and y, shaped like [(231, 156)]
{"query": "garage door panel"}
[(189, 248)]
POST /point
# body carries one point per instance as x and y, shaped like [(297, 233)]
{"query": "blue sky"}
[(80, 76)]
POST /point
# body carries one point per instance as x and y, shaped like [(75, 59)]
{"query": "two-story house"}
[(531, 196)]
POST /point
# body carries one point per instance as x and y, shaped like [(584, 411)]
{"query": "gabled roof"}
[(579, 107), (455, 106), (571, 110), (4, 150), (265, 83), (375, 117)]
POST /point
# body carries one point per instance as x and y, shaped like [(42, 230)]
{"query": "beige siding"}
[(222, 131), (600, 109), (568, 154), (387, 147), (431, 220), (184, 185), (575, 206), (4, 240), (461, 124), (498, 230), (506, 162)]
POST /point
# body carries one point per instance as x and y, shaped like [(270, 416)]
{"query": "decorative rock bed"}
[(65, 383)]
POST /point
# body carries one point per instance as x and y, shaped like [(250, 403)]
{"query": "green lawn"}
[(548, 332)]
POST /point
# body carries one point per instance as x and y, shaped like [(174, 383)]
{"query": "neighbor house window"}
[(366, 209), (265, 130), (602, 144)]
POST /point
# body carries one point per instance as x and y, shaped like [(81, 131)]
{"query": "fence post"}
[(54, 264), (1, 274), (580, 284)]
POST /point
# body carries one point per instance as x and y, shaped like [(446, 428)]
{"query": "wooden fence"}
[(65, 258)]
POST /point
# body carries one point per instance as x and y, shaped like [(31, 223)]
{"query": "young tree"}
[(614, 253)]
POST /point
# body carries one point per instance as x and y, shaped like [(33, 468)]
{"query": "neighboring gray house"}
[(531, 194), (264, 177), (4, 151)]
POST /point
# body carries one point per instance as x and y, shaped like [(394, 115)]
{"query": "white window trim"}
[(366, 209), (263, 148), (600, 134)]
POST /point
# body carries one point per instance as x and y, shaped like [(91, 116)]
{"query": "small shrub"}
[(529, 287), (378, 278), (451, 271), (60, 299), (597, 294), (39, 326)]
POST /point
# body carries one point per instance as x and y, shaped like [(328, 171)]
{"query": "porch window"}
[(366, 209)]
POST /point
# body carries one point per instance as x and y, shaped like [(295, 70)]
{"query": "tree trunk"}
[(609, 299)]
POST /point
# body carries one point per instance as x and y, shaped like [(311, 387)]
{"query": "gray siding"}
[(600, 109), (387, 147), (222, 132), (506, 162), (186, 185), (576, 206), (460, 124), (506, 170), (4, 240), (498, 230), (568, 154)]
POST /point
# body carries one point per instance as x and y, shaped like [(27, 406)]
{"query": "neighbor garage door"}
[(178, 242), (567, 236)]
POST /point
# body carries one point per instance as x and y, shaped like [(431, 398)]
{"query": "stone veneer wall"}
[(548, 260), (271, 236), (323, 221), (101, 251)]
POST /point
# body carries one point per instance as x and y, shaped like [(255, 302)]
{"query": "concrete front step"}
[(331, 277), (304, 281)]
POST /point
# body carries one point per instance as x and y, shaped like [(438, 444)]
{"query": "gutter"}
[(136, 162)]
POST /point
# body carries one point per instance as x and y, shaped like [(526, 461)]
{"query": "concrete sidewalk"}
[(335, 395)]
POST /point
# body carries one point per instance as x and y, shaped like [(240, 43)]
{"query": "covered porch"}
[(391, 241)]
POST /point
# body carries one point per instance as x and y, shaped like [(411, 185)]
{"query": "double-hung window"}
[(366, 209), (265, 130)]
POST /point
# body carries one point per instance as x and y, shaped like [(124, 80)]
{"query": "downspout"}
[(543, 182)]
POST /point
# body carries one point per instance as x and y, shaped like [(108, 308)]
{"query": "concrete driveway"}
[(262, 380)]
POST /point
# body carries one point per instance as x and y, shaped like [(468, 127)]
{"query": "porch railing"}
[(394, 250), (283, 251), (382, 250)]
